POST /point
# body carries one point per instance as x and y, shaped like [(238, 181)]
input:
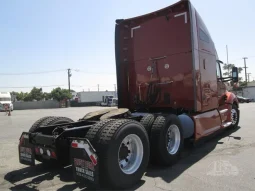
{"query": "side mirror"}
[(235, 74)]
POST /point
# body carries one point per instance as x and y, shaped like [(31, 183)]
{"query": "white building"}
[(94, 96)]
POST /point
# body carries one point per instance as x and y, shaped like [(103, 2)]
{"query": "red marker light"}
[(74, 145), (53, 154), (37, 150)]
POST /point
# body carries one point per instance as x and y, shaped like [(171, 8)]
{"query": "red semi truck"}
[(170, 89)]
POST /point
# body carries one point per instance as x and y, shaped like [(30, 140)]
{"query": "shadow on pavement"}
[(84, 187), (191, 156), (40, 172)]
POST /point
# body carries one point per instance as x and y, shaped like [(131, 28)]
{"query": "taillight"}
[(53, 154), (74, 145), (37, 150)]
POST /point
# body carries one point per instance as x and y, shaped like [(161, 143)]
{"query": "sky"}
[(54, 35)]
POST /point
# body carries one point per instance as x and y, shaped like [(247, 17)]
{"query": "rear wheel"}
[(166, 139), (63, 157), (94, 132), (147, 122), (123, 148), (38, 123), (56, 121)]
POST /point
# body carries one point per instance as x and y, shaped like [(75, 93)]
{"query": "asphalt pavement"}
[(224, 162)]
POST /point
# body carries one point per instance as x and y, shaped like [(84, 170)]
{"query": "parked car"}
[(244, 99)]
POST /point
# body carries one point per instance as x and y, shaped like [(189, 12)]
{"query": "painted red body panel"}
[(173, 50), (206, 123), (152, 36)]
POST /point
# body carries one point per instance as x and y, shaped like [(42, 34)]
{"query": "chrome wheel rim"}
[(173, 139), (130, 154), (234, 116)]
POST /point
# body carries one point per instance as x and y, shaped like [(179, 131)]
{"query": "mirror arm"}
[(219, 61), (226, 79)]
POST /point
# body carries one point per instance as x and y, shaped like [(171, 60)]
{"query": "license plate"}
[(84, 161), (26, 151)]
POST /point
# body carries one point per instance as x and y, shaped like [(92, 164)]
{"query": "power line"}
[(78, 70), (35, 86), (236, 59), (91, 86), (86, 86), (52, 71), (241, 58), (29, 73)]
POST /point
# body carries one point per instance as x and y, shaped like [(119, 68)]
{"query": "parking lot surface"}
[(224, 162)]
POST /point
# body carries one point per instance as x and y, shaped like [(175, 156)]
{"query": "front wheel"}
[(235, 116)]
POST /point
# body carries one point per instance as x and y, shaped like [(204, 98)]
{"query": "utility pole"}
[(115, 90), (227, 52), (69, 76), (244, 58), (98, 87), (248, 76)]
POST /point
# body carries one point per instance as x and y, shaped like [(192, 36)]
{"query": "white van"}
[(5, 98)]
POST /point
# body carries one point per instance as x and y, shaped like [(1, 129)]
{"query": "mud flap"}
[(84, 161), (26, 150)]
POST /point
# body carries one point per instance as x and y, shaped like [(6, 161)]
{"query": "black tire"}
[(235, 125), (56, 120), (63, 152), (147, 122), (159, 152), (108, 146), (94, 132), (38, 123)]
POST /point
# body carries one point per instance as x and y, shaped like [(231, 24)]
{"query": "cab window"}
[(218, 70), (203, 36)]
